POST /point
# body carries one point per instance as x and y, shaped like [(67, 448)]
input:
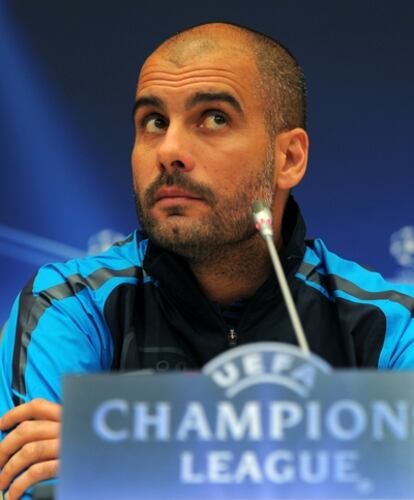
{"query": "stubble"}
[(210, 237)]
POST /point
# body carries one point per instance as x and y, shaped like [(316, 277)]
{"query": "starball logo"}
[(402, 249), (268, 363)]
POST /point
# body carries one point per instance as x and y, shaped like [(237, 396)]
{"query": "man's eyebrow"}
[(148, 100), (201, 97)]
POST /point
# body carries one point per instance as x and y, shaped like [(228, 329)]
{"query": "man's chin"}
[(174, 226), (176, 231), (182, 236)]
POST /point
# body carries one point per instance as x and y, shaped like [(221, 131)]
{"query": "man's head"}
[(280, 82), (219, 119)]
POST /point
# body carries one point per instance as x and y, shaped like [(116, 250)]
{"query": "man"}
[(220, 123)]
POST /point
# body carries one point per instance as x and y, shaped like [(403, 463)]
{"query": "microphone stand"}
[(262, 217)]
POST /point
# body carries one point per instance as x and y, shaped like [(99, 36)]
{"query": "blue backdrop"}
[(67, 80)]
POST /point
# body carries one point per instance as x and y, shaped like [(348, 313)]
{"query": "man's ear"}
[(291, 157)]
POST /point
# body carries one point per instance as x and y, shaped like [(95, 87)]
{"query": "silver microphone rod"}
[(262, 217)]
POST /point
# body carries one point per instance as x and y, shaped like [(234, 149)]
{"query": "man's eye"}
[(215, 120), (154, 124)]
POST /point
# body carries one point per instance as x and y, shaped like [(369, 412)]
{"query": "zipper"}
[(232, 337)]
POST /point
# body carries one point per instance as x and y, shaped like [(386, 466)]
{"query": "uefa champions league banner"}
[(262, 421)]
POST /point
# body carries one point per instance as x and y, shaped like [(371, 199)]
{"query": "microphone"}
[(262, 218)]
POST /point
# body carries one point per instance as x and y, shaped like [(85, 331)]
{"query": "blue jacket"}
[(138, 306)]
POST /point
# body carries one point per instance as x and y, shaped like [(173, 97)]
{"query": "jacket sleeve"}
[(55, 328), (398, 349)]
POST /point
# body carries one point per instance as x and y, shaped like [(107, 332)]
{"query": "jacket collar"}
[(173, 272), (293, 233)]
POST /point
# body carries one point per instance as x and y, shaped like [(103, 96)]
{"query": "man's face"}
[(202, 154)]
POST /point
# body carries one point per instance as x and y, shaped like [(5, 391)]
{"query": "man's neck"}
[(237, 272)]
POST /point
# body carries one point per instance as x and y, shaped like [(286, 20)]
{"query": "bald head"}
[(280, 81), (194, 42)]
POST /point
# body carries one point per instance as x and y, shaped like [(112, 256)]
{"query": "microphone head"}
[(262, 217), (258, 206)]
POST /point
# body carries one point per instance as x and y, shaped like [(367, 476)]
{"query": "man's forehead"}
[(216, 66)]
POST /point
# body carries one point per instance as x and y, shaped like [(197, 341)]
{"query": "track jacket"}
[(138, 306)]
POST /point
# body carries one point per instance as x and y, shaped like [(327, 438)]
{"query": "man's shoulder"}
[(344, 278), (123, 260), (59, 320)]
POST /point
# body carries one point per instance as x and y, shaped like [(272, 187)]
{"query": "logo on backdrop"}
[(38, 250), (102, 240), (402, 249)]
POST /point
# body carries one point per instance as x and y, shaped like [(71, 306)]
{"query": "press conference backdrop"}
[(67, 79)]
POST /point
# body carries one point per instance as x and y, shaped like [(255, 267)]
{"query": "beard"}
[(228, 223)]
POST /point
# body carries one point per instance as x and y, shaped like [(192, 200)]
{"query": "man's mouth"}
[(169, 195)]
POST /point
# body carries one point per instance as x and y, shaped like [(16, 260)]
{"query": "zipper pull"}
[(232, 337)]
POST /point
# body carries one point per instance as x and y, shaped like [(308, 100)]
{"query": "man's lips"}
[(174, 194)]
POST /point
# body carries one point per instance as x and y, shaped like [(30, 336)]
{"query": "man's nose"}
[(174, 151)]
